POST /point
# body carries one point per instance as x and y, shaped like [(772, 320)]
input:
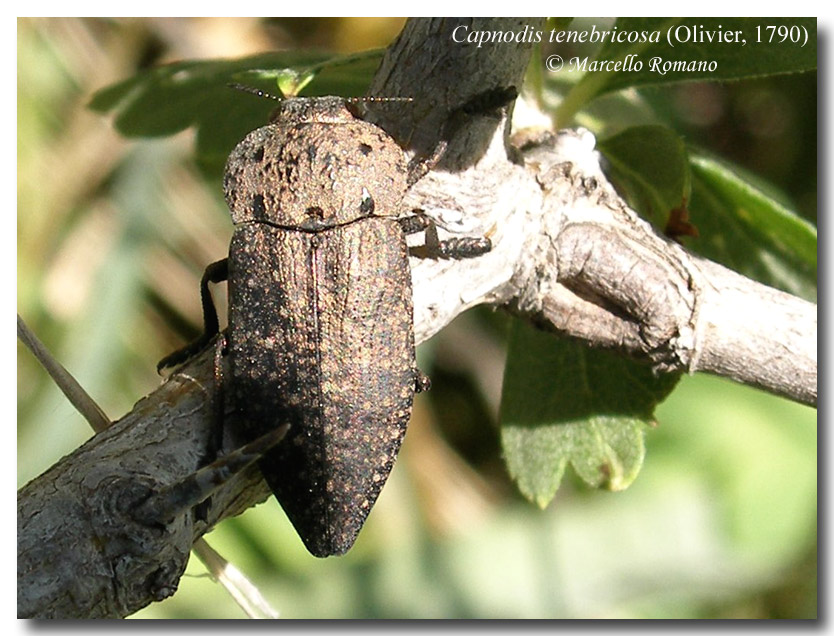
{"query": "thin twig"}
[(242, 590), (69, 386)]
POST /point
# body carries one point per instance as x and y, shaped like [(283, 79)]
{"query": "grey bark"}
[(568, 254)]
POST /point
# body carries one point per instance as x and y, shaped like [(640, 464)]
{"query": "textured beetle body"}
[(320, 312)]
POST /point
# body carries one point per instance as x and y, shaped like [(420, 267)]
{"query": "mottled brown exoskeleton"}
[(320, 308)]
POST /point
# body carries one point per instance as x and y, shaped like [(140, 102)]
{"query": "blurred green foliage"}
[(113, 236)]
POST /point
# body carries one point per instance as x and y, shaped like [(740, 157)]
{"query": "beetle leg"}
[(422, 382), (417, 222), (217, 272), (484, 103), (215, 440), (164, 506), (419, 166), (463, 247), (456, 248)]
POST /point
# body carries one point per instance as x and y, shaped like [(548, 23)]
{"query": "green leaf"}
[(563, 402), (742, 222), (650, 167), (291, 82), (733, 60), (558, 24), (746, 226), (168, 99), (756, 54)]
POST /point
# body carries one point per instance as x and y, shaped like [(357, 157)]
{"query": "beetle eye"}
[(367, 205)]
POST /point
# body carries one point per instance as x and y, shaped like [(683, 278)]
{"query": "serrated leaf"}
[(705, 59), (168, 99), (565, 403), (650, 167), (749, 229)]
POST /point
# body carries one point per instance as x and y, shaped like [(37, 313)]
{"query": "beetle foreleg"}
[(457, 248), (484, 103)]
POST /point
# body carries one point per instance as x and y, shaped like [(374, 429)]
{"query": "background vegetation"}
[(113, 235)]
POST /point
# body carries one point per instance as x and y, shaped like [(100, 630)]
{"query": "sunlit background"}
[(113, 235)]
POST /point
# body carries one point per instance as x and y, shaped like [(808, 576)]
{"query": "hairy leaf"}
[(565, 403)]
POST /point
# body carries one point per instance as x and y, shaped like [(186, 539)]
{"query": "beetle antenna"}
[(254, 91), (372, 99)]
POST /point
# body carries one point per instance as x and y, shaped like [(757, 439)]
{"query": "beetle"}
[(320, 322)]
